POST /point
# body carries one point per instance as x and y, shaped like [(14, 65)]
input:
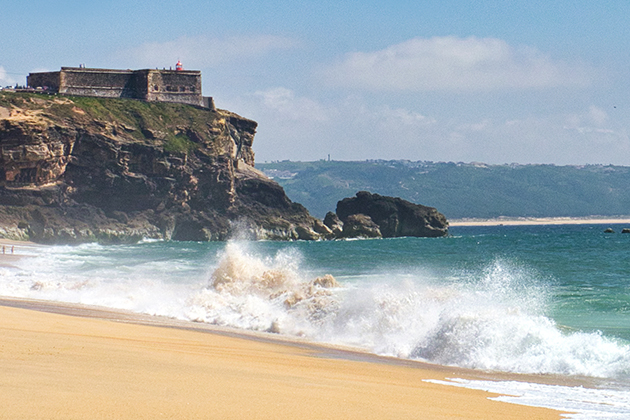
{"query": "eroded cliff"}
[(76, 169)]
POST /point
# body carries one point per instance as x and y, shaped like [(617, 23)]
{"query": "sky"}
[(455, 81)]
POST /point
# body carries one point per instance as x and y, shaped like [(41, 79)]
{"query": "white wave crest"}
[(494, 320), (267, 294)]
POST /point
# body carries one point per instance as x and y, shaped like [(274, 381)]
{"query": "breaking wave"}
[(491, 320)]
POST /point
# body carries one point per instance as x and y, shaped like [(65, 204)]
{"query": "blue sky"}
[(494, 81)]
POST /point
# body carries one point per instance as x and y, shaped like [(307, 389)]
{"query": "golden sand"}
[(57, 366), (524, 221)]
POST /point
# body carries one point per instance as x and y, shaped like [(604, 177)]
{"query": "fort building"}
[(178, 86)]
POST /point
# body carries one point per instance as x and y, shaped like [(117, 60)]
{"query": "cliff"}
[(78, 169)]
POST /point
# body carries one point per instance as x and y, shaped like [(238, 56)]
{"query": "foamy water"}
[(492, 316), (582, 403)]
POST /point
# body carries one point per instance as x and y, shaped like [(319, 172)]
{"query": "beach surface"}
[(60, 361), (523, 221)]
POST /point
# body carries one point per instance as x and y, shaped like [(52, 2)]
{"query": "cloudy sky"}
[(492, 81)]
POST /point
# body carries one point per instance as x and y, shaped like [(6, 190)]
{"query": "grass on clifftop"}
[(143, 121), (158, 116)]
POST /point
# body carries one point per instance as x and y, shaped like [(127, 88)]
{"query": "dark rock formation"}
[(333, 223), (625, 230), (394, 216), (89, 169), (360, 226)]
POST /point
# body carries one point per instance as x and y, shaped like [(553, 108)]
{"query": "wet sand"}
[(72, 362)]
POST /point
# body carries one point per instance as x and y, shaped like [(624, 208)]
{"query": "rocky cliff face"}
[(89, 169)]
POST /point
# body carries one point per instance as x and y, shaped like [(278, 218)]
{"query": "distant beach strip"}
[(523, 221)]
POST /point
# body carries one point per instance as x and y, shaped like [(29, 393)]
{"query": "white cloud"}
[(201, 51), (287, 105), (593, 120), (532, 140), (401, 116), (5, 79), (580, 138), (480, 126), (290, 125), (597, 115), (297, 127), (451, 63)]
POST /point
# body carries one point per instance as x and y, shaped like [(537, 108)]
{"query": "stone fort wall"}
[(179, 86)]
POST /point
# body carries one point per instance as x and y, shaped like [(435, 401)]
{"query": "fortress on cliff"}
[(178, 86)]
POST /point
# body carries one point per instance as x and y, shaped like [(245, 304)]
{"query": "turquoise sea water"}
[(527, 299)]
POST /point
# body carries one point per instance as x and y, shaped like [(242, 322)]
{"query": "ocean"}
[(552, 300)]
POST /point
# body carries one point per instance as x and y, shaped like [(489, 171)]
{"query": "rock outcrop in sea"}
[(77, 169), (372, 215)]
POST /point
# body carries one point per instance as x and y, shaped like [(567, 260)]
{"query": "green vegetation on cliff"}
[(462, 190), (149, 122)]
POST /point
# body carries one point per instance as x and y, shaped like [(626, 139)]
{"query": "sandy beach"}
[(64, 362), (523, 221)]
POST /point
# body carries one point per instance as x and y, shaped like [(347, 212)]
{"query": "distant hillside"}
[(462, 189)]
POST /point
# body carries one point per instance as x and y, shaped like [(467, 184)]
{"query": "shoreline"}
[(320, 348), (533, 221), (472, 221), (306, 379), (465, 221), (12, 251)]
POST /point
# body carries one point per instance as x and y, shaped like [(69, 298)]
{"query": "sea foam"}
[(580, 403), (491, 320)]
